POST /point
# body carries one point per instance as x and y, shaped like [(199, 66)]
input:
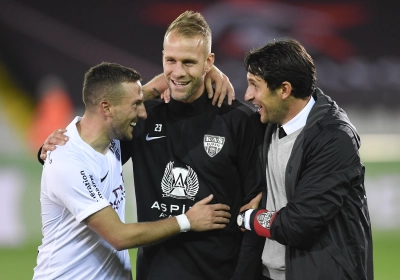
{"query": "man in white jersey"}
[(82, 190)]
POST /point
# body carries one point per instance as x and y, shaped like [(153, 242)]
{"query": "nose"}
[(248, 96), (178, 71), (142, 113)]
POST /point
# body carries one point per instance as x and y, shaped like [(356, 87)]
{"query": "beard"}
[(122, 130)]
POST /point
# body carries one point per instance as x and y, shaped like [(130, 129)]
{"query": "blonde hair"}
[(190, 24)]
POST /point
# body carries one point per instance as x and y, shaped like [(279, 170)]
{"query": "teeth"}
[(180, 84), (133, 124)]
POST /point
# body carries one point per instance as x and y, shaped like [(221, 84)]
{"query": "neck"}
[(294, 108), (93, 133)]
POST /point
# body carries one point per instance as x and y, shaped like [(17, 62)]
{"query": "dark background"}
[(355, 44)]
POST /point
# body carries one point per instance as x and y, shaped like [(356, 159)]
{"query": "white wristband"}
[(247, 218), (183, 222)]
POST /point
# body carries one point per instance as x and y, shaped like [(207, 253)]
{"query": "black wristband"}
[(38, 156)]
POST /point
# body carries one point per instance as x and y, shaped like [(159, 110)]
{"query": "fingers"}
[(244, 207), (166, 95), (43, 155), (217, 226), (204, 216), (231, 93), (209, 88), (219, 207), (205, 201), (253, 204), (56, 138), (224, 89), (218, 92), (222, 214)]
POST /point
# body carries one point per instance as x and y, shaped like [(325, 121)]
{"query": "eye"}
[(137, 104), (253, 84)]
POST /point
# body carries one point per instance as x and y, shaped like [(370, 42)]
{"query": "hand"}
[(222, 86), (56, 138), (253, 204), (166, 95), (204, 216)]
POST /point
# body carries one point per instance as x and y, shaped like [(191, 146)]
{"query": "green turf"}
[(18, 263), (374, 169)]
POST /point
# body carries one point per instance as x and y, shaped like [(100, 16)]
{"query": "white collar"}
[(300, 119)]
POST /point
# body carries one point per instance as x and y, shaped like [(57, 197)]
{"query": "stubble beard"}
[(186, 96)]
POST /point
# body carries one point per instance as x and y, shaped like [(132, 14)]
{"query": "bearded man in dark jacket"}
[(314, 207)]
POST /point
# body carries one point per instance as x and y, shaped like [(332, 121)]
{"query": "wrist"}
[(243, 219), (183, 222), (247, 218), (261, 221)]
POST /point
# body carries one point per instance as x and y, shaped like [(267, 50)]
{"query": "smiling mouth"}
[(179, 84), (258, 107), (133, 124)]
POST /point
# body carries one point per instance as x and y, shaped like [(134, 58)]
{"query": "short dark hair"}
[(283, 60), (104, 80)]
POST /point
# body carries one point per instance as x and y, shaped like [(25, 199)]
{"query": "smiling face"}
[(185, 64), (270, 105), (128, 112)]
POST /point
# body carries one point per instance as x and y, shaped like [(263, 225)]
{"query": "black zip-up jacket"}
[(325, 224), (182, 153)]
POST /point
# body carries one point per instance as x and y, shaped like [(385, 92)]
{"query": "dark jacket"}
[(325, 223)]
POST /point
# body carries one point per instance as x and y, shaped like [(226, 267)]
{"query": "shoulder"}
[(238, 108), (68, 157), (242, 116), (334, 141), (238, 112), (153, 104)]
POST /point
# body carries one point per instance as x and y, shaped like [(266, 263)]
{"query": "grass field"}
[(18, 262)]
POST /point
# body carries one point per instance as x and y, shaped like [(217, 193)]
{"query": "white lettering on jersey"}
[(158, 127), (172, 208), (213, 144), (179, 183)]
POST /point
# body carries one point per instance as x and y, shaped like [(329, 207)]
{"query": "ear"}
[(209, 62), (106, 108), (286, 90)]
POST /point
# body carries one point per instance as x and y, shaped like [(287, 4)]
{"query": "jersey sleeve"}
[(73, 185), (249, 135)]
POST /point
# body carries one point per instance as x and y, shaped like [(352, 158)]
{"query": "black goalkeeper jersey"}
[(182, 153)]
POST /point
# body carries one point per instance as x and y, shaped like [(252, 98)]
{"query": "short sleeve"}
[(74, 186)]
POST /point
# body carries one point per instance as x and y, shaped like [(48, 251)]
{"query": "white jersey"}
[(76, 182)]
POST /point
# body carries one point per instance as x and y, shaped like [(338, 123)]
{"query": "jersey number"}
[(158, 127)]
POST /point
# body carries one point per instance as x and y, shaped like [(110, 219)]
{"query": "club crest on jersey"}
[(179, 183), (213, 144)]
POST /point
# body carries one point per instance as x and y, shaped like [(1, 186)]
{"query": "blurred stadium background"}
[(46, 47)]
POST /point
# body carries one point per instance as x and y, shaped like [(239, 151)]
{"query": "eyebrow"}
[(190, 60)]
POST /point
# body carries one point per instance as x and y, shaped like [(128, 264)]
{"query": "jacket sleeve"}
[(249, 263), (331, 166)]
